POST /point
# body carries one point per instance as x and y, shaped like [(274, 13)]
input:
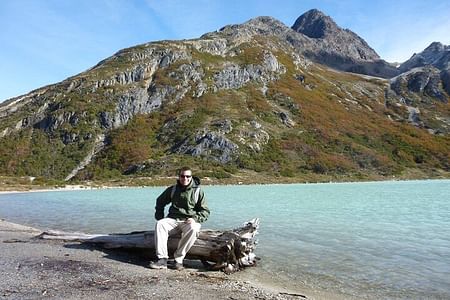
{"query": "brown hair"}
[(184, 169)]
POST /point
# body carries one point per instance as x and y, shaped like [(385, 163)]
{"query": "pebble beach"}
[(33, 268)]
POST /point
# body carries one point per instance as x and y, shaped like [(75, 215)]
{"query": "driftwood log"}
[(218, 250)]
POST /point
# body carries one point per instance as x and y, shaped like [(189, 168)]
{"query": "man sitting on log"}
[(188, 209)]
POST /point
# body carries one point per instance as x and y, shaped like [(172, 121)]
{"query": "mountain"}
[(322, 28), (436, 55), (258, 101), (340, 48), (424, 82), (433, 67)]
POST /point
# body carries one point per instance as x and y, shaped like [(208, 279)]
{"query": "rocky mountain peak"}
[(316, 37), (266, 25), (315, 24), (257, 26), (436, 47), (322, 29), (436, 55)]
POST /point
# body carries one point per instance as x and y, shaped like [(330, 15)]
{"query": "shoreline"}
[(67, 188), (34, 268), (81, 187)]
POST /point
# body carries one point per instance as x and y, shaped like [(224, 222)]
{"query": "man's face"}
[(185, 177)]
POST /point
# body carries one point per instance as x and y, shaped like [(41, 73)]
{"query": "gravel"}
[(40, 269)]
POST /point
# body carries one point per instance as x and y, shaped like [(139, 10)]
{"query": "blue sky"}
[(46, 41)]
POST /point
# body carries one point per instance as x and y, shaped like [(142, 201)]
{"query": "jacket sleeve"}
[(201, 208), (161, 202)]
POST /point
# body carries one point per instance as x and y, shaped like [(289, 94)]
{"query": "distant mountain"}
[(255, 100), (436, 55), (425, 78)]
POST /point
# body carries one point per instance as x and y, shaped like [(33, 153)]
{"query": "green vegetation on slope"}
[(339, 128)]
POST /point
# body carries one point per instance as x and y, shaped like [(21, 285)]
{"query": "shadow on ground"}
[(139, 257)]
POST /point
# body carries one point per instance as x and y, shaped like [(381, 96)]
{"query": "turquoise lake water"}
[(376, 240)]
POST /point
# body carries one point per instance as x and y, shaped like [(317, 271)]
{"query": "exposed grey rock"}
[(223, 126), (413, 117), (417, 81), (445, 78), (141, 101), (106, 120), (201, 89), (129, 104), (209, 144), (315, 36), (317, 25), (28, 121), (397, 84), (285, 119), (253, 136), (150, 61), (424, 81), (319, 38), (419, 88), (434, 90), (136, 74), (52, 121), (14, 105), (69, 137), (74, 84), (241, 33), (133, 102), (189, 72), (189, 76), (216, 46), (436, 55), (234, 76)]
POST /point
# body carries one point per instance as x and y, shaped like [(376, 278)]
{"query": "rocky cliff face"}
[(247, 97), (435, 57), (425, 83)]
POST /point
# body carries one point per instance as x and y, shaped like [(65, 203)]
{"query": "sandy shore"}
[(34, 268), (59, 189)]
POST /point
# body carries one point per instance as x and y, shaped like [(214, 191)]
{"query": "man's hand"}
[(189, 221)]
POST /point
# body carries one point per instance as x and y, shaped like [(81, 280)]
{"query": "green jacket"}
[(183, 203)]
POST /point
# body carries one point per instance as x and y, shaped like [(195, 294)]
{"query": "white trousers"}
[(168, 226)]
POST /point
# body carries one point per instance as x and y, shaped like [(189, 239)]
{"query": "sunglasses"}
[(185, 176)]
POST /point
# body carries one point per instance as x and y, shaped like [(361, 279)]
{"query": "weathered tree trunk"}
[(227, 250)]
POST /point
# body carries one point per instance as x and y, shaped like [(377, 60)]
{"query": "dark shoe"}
[(160, 264), (177, 266)]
